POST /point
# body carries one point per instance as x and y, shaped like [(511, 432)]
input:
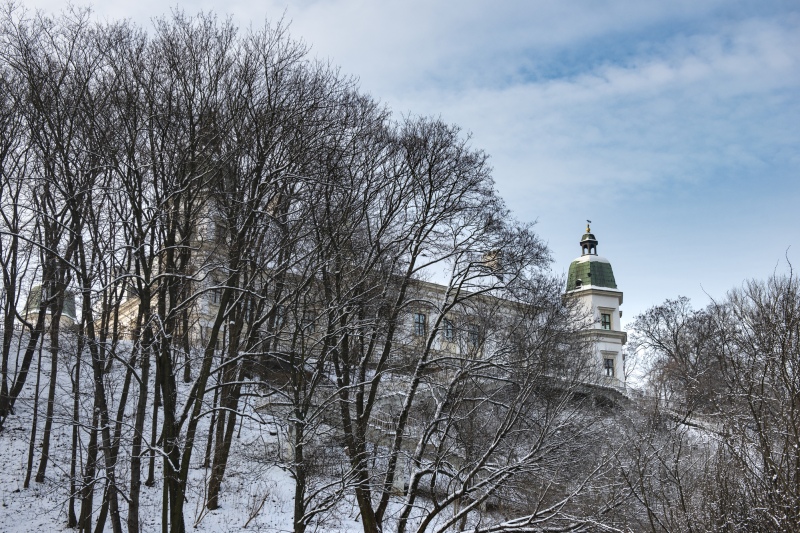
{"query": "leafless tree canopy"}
[(720, 450)]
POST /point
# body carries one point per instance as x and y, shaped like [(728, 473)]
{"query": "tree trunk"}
[(55, 330), (35, 421), (229, 401), (19, 381), (151, 468), (138, 430), (187, 348), (211, 427), (300, 479), (87, 492), (72, 520), (171, 468)]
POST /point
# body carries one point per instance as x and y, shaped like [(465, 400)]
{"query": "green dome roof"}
[(590, 270), (35, 297)]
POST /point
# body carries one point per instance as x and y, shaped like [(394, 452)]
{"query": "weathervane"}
[(588, 230)]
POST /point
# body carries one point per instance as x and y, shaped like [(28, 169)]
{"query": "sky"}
[(673, 126)]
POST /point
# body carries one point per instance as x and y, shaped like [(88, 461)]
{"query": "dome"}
[(590, 269), (34, 301)]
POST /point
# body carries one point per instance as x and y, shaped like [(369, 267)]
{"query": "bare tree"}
[(744, 476)]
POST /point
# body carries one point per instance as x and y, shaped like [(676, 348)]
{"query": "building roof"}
[(34, 301), (590, 270)]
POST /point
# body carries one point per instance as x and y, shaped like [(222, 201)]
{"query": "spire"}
[(588, 242)]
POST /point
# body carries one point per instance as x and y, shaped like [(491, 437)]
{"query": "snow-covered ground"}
[(257, 493)]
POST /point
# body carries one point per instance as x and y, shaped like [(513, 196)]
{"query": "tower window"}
[(605, 321), (419, 324), (608, 366)]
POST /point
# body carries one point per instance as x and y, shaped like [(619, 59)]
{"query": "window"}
[(215, 295), (279, 316), (249, 311), (215, 231), (473, 335), (419, 324), (605, 321), (608, 365), (309, 325), (449, 330)]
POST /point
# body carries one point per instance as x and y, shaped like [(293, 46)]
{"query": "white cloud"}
[(713, 92), (693, 103)]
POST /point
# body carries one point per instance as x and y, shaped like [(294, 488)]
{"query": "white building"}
[(591, 279)]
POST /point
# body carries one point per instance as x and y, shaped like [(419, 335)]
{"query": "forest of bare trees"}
[(242, 235)]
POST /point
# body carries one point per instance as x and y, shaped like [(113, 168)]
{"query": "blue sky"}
[(673, 126)]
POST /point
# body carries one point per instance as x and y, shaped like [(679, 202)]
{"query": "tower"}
[(591, 281)]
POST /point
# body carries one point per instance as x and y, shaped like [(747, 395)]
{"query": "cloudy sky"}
[(673, 126)]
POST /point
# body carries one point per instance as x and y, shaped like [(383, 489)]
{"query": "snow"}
[(256, 488), (591, 258)]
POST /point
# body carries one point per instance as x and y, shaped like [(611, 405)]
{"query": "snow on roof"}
[(591, 258), (598, 287)]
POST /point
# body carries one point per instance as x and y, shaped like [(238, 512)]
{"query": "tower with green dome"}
[(591, 280)]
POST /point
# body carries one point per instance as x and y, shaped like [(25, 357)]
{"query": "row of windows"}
[(420, 325), (280, 319), (309, 324), (473, 335), (420, 329)]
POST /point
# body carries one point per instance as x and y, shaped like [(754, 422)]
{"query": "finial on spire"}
[(588, 229)]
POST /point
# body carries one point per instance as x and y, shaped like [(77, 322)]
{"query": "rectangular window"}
[(214, 296), (419, 324), (608, 365), (605, 321), (473, 335), (249, 311), (215, 231), (279, 316), (309, 325), (449, 330)]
